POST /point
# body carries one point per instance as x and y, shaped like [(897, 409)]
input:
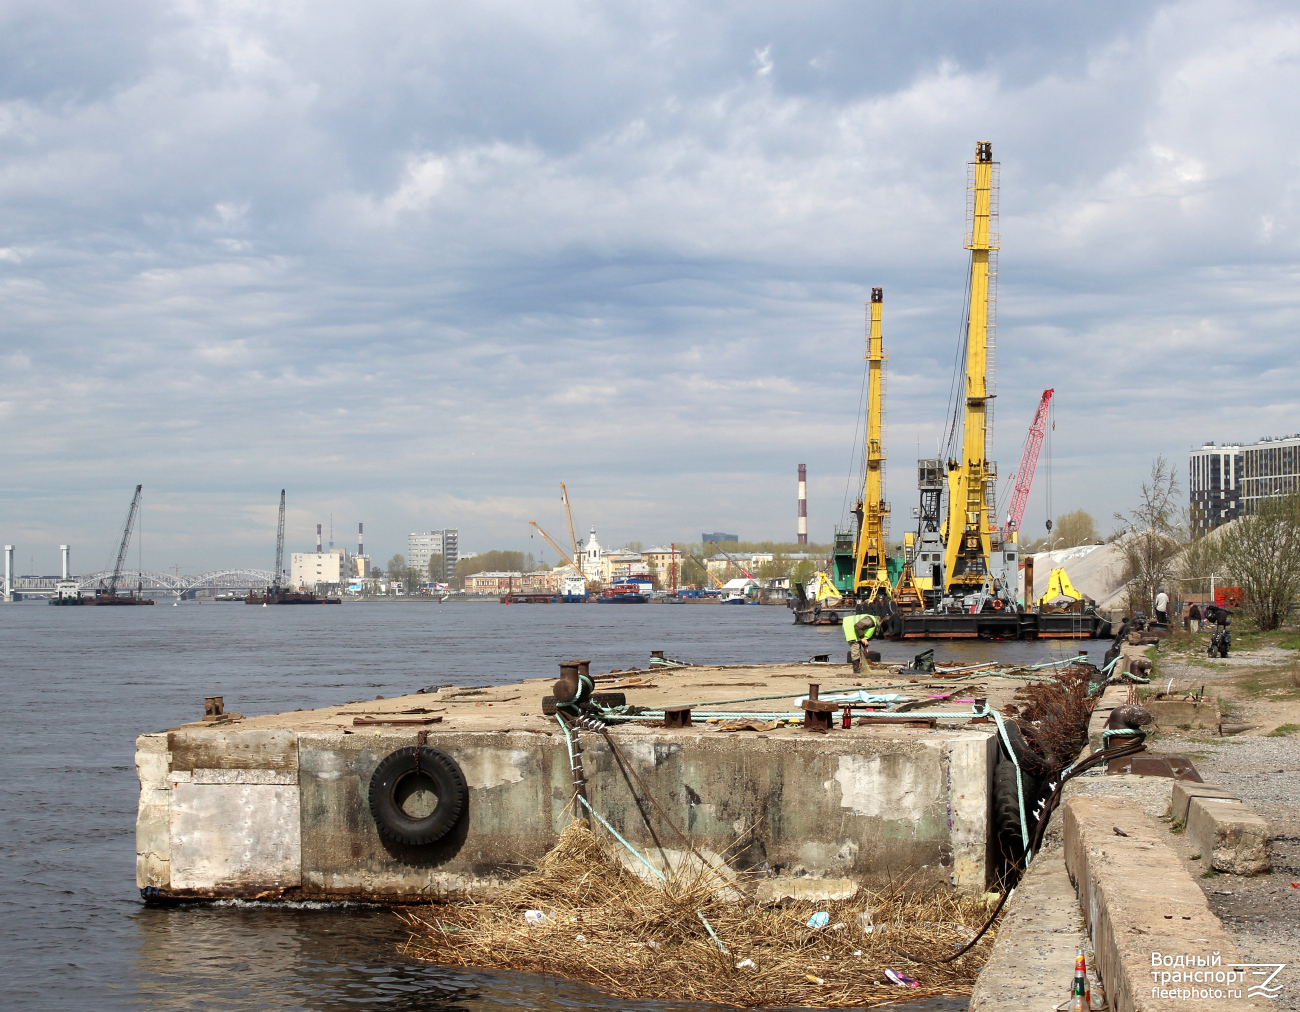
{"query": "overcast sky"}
[(419, 262)]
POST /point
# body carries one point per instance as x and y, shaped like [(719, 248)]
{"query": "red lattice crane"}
[(1028, 463)]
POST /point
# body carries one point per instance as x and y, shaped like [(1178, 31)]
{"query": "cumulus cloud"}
[(419, 263)]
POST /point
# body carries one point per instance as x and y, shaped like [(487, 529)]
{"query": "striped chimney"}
[(318, 539), (361, 541), (803, 504)]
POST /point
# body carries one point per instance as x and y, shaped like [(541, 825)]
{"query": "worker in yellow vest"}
[(858, 630)]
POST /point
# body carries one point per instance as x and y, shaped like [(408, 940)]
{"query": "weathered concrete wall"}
[(279, 813), (1138, 899)]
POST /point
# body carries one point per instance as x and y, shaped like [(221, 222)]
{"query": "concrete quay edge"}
[(1032, 958), (1138, 899)]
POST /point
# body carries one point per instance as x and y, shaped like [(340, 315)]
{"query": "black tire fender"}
[(397, 775), (1006, 809)]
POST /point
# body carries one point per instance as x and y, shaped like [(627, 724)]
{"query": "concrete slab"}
[(1142, 907), (1184, 713), (1184, 790), (1230, 836)]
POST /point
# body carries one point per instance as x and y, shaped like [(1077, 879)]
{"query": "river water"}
[(78, 685)]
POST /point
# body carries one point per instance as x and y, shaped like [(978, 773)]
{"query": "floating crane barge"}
[(960, 573)]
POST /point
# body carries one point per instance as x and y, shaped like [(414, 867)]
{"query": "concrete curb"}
[(1230, 836), (1185, 790), (1138, 900)]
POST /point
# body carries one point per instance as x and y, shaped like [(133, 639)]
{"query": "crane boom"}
[(747, 573), (870, 575), (573, 538), (971, 519), (279, 541), (551, 541), (1028, 464), (126, 541), (704, 566)]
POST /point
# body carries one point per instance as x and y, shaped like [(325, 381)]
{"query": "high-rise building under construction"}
[(1229, 480)]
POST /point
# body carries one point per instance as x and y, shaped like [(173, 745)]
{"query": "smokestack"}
[(9, 572), (64, 550), (803, 504), (361, 541), (318, 539)]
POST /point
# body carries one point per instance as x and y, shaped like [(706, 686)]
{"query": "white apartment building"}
[(420, 547)]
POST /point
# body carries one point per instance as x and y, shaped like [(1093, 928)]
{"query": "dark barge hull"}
[(989, 625)]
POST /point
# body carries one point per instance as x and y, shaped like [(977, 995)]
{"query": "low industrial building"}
[(319, 569)]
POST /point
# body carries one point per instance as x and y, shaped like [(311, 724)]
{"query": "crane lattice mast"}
[(126, 541), (1028, 464), (573, 537), (279, 542), (871, 577), (551, 541), (972, 522)]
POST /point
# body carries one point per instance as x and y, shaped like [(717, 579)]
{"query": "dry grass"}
[(644, 942)]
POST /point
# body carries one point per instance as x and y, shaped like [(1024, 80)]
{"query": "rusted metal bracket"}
[(1144, 764), (818, 715), (677, 716)]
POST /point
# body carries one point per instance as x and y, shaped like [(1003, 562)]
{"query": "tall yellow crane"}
[(871, 577), (972, 525), (573, 538)]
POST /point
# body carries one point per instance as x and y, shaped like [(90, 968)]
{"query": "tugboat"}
[(623, 593)]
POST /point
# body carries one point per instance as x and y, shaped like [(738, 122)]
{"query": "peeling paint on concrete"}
[(492, 767), (244, 835), (888, 786)]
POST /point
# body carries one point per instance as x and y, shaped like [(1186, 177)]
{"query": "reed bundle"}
[(635, 940)]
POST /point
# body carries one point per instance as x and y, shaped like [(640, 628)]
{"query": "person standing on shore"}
[(1162, 607), (1194, 618)]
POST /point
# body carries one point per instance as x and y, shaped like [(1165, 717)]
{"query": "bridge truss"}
[(154, 584)]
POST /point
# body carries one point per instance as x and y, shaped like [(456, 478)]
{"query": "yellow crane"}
[(573, 538), (704, 566), (871, 577), (551, 541), (971, 529)]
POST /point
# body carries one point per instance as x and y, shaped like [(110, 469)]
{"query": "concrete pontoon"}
[(277, 806)]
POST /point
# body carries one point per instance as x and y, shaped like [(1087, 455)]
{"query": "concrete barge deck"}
[(276, 806)]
